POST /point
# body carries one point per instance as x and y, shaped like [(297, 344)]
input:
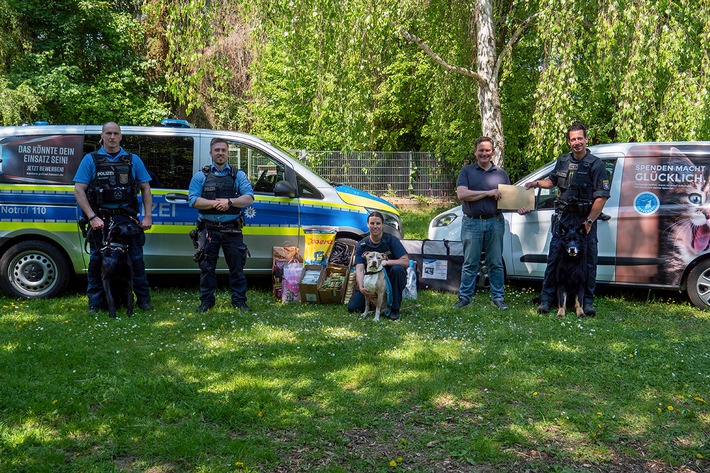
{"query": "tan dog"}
[(374, 281)]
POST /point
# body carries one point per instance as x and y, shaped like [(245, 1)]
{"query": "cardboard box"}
[(328, 295), (308, 284), (342, 254)]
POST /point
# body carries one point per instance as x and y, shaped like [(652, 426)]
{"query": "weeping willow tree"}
[(632, 70), (322, 74)]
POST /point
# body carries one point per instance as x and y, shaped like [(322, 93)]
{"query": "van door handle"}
[(176, 198)]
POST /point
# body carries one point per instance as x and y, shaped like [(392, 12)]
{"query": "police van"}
[(658, 233), (41, 245)]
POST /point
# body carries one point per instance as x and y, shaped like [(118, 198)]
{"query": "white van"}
[(41, 245), (658, 235)]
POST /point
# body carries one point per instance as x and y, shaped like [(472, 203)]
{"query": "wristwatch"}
[(589, 221), (229, 203)]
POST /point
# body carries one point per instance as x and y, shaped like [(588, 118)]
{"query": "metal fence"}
[(386, 173)]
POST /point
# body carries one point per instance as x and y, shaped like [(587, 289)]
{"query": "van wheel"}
[(699, 285), (33, 269)]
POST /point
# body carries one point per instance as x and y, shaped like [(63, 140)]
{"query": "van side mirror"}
[(284, 189)]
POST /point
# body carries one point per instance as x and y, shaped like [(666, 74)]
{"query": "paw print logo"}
[(250, 212)]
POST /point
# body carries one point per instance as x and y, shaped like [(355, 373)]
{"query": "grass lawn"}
[(296, 388)]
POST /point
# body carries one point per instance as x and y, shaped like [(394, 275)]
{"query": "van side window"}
[(306, 190), (167, 158), (261, 169)]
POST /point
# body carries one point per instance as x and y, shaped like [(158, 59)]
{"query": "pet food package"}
[(410, 289), (281, 256), (319, 243), (438, 263), (311, 276), (290, 287), (334, 284)]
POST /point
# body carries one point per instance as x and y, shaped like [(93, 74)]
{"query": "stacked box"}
[(311, 276), (333, 286)]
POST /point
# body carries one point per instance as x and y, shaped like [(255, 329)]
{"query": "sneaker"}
[(543, 308), (147, 306), (589, 310), (500, 303), (461, 303), (205, 306), (242, 306), (393, 315)]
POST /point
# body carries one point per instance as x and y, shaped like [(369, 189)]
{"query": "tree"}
[(82, 62)]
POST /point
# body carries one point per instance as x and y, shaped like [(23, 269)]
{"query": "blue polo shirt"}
[(476, 178), (242, 186)]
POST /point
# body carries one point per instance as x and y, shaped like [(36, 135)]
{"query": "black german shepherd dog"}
[(571, 271), (116, 265)]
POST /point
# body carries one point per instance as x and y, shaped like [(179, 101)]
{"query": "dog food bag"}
[(410, 290), (292, 273), (319, 242), (281, 256)]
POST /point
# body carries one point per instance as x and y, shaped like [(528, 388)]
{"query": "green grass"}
[(312, 388)]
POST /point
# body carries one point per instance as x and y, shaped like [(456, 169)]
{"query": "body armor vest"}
[(219, 187), (575, 183), (114, 185)]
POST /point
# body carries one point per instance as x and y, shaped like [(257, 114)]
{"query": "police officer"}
[(583, 183), (220, 193), (106, 184)]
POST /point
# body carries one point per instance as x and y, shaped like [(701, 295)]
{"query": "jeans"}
[(482, 235), (95, 288), (235, 254), (549, 291)]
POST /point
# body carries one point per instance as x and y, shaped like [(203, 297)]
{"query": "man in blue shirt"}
[(220, 193), (112, 167), (483, 224)]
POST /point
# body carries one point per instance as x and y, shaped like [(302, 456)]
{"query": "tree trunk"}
[(488, 96)]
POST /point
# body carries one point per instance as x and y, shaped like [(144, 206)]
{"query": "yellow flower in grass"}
[(699, 456), (393, 463), (699, 399), (535, 393), (659, 410), (399, 459), (261, 414), (670, 408)]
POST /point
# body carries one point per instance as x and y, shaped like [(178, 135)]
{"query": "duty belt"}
[(217, 226)]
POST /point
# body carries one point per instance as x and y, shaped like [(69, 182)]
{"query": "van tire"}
[(33, 269), (699, 285)]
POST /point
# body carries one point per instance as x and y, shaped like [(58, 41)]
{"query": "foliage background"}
[(339, 75)]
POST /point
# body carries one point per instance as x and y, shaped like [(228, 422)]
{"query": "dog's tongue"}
[(701, 238)]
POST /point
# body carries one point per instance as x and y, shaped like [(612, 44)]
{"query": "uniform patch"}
[(573, 166), (605, 185)]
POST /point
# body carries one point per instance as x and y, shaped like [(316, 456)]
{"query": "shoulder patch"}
[(605, 184)]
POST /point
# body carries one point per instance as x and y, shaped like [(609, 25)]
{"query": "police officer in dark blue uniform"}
[(583, 183), (220, 193), (106, 185)]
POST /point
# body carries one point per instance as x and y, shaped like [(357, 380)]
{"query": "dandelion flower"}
[(393, 463), (670, 408), (399, 459), (699, 456), (535, 393), (261, 414)]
